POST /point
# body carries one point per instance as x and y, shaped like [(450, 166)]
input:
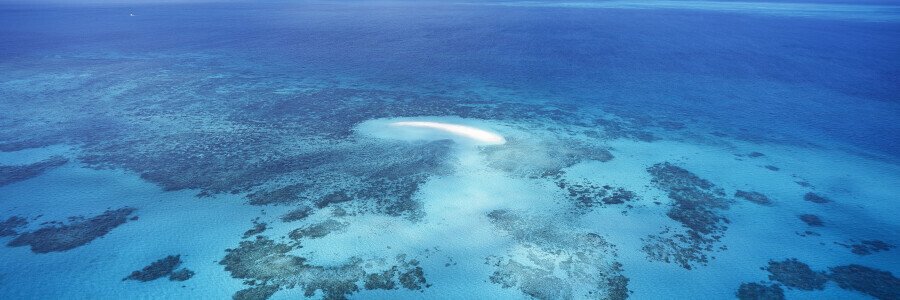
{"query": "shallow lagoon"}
[(649, 150)]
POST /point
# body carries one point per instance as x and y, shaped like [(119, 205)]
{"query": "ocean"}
[(449, 149)]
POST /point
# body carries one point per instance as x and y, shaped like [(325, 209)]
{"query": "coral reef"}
[(586, 195), (755, 154), (876, 283), (267, 266), (297, 214), (535, 157), (756, 291), (684, 250), (815, 198), (697, 205), (754, 197), (318, 230), (792, 273), (257, 229), (795, 274), (333, 198), (561, 262), (65, 237), (414, 277), (812, 220), (181, 275), (12, 174), (256, 292), (867, 247), (381, 281), (9, 227), (162, 268)]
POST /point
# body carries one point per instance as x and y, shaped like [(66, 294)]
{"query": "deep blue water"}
[(260, 103), (838, 77)]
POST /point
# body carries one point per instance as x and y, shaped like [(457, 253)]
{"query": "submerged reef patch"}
[(258, 228), (267, 267), (65, 237), (318, 230), (867, 247), (13, 174), (256, 293), (697, 205), (9, 227), (297, 214), (795, 274), (876, 283), (162, 268), (585, 195), (555, 262), (374, 177), (815, 198), (756, 291), (535, 157), (812, 220), (755, 154), (754, 197)]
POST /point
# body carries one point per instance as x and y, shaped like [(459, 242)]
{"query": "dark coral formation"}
[(162, 268), (755, 154), (382, 177), (812, 220), (773, 168), (413, 278), (792, 273), (257, 229), (795, 274), (586, 195), (256, 293), (181, 275), (9, 227), (697, 205), (876, 283), (318, 230), (12, 174), (754, 197), (756, 291), (586, 259), (297, 214), (815, 198), (267, 266), (381, 281), (867, 247), (681, 249), (333, 198), (78, 233)]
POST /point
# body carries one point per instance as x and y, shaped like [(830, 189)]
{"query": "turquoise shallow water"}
[(609, 150)]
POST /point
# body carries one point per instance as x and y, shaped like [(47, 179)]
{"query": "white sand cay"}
[(462, 131), (466, 131)]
